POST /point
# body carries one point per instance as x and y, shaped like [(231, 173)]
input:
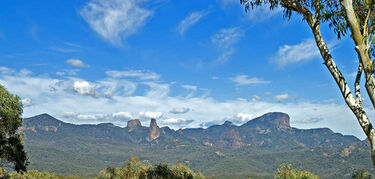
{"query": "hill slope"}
[(256, 148)]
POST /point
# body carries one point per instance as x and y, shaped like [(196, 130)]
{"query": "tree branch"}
[(357, 86), (366, 22), (361, 48)]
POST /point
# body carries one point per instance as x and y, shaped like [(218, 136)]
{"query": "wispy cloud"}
[(67, 47), (117, 118), (6, 70), (115, 19), (181, 122), (245, 80), (282, 97), (257, 14), (76, 63), (179, 110), (224, 40), (299, 53), (190, 20), (143, 75), (263, 13)]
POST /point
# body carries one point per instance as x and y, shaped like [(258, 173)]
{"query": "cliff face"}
[(154, 131), (272, 119), (231, 139), (133, 125)]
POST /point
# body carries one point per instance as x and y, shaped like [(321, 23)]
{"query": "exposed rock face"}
[(228, 123), (133, 125), (154, 131), (180, 131), (231, 139), (275, 119)]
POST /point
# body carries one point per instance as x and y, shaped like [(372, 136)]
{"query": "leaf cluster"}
[(11, 144)]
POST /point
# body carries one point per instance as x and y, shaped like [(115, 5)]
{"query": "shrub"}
[(287, 172)]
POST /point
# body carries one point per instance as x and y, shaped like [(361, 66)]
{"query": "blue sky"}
[(186, 63)]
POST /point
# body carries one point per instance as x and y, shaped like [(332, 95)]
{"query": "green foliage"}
[(33, 174), (134, 169), (328, 11), (361, 174), (11, 145), (287, 172)]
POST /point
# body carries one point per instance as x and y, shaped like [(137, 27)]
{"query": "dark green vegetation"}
[(287, 172), (133, 169), (255, 149), (11, 147)]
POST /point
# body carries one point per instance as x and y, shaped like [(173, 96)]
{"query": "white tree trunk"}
[(355, 104)]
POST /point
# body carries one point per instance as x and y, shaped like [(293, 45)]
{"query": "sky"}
[(185, 63)]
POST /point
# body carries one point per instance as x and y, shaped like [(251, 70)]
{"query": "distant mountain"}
[(260, 146)]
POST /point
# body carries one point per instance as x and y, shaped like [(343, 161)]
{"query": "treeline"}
[(134, 169)]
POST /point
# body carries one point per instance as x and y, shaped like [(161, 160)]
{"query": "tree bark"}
[(353, 103), (365, 61)]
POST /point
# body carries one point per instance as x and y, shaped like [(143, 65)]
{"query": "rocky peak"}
[(228, 123), (133, 124), (276, 119), (154, 130)]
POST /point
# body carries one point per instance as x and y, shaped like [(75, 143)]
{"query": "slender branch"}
[(366, 22), (369, 43), (357, 86), (317, 12)]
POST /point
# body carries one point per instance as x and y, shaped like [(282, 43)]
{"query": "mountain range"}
[(254, 149)]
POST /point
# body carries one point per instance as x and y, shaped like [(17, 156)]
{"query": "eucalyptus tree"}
[(343, 16), (11, 145)]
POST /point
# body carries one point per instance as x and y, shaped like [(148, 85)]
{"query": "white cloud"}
[(179, 110), (143, 75), (282, 97), (241, 118), (157, 90), (225, 38), (255, 98), (26, 102), (76, 63), (5, 70), (119, 118), (115, 19), (149, 115), (258, 14), (245, 80), (309, 120), (110, 87), (176, 122), (70, 72), (263, 13), (190, 87), (299, 53), (25, 72), (85, 88), (225, 56), (55, 97), (190, 20)]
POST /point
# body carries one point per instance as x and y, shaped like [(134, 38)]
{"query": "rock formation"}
[(272, 119), (154, 131), (133, 125)]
